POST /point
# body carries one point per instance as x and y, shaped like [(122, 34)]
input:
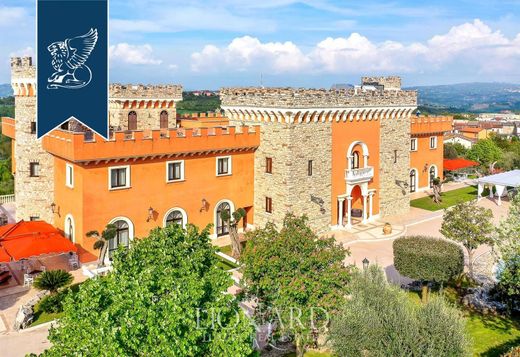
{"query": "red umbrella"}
[(28, 239), (4, 257)]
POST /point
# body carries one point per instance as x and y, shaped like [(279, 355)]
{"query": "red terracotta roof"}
[(471, 130), (23, 240), (457, 164)]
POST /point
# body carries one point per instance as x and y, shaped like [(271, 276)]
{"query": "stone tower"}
[(34, 176), (297, 131)]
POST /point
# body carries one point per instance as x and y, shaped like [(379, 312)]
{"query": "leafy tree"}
[(450, 152), (101, 243), (232, 220), (297, 278), (427, 259), (507, 242), (470, 225), (165, 297), (437, 190), (379, 320), (53, 280), (486, 152)]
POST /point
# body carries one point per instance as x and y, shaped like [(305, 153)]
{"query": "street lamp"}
[(366, 263)]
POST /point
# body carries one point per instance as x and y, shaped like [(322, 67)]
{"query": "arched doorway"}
[(122, 237), (413, 180), (163, 120), (432, 175), (132, 120), (69, 228), (220, 226)]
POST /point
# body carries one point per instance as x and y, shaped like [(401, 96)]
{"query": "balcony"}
[(354, 176)]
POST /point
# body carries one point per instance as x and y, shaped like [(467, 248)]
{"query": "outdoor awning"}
[(500, 181), (457, 164), (4, 257), (24, 240)]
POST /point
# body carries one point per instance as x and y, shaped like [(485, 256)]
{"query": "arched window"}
[(132, 120), (163, 120), (69, 228), (354, 161), (433, 175), (122, 237), (413, 180), (222, 227), (175, 217)]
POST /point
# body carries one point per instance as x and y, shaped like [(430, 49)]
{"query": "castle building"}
[(341, 157)]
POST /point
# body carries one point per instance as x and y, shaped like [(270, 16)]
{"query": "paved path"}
[(19, 344)]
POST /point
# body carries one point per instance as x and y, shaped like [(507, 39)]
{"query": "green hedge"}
[(428, 258)]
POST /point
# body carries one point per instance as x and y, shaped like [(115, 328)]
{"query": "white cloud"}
[(474, 44), (12, 16), (133, 54), (28, 51)]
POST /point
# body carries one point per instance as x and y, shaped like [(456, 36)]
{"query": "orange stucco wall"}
[(343, 135), (93, 205), (424, 158)]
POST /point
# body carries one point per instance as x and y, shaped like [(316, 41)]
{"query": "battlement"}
[(22, 67), (430, 124), (141, 91), (150, 144), (387, 83), (315, 98)]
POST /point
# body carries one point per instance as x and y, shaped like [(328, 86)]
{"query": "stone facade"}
[(291, 189), (34, 195), (394, 166)]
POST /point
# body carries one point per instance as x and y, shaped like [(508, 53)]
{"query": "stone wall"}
[(141, 91), (291, 146), (147, 118), (34, 195), (394, 174), (392, 82)]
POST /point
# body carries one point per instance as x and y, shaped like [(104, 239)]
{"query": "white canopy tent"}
[(500, 181)]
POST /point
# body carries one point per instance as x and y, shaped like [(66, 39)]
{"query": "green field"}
[(449, 198)]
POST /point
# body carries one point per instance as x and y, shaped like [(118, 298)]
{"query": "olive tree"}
[(427, 259), (470, 225), (166, 296), (232, 220), (102, 240), (379, 320)]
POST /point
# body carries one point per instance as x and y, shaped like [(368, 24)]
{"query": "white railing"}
[(6, 199), (359, 175)]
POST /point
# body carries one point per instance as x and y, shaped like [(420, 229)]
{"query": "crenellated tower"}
[(34, 176)]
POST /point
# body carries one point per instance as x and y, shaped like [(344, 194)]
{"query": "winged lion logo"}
[(68, 61)]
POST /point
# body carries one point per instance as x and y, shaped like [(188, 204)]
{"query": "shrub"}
[(380, 320), (52, 303), (52, 280), (427, 259)]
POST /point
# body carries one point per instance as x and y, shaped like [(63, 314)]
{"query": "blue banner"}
[(72, 64)]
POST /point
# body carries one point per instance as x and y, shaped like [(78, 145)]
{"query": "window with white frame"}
[(69, 175), (433, 142), (223, 165), (175, 171), (119, 177), (413, 144)]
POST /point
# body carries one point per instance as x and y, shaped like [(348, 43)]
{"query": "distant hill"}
[(5, 90), (470, 97)]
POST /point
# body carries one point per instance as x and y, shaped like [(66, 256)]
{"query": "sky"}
[(208, 44)]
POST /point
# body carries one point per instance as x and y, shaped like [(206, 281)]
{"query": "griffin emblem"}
[(68, 61)]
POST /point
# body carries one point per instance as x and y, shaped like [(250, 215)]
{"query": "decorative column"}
[(364, 209), (490, 191), (371, 196), (349, 211), (340, 215), (500, 191), (365, 160)]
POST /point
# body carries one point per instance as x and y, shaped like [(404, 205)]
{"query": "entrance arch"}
[(69, 228)]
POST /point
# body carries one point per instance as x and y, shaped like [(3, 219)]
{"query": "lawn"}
[(449, 198), (491, 336)]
